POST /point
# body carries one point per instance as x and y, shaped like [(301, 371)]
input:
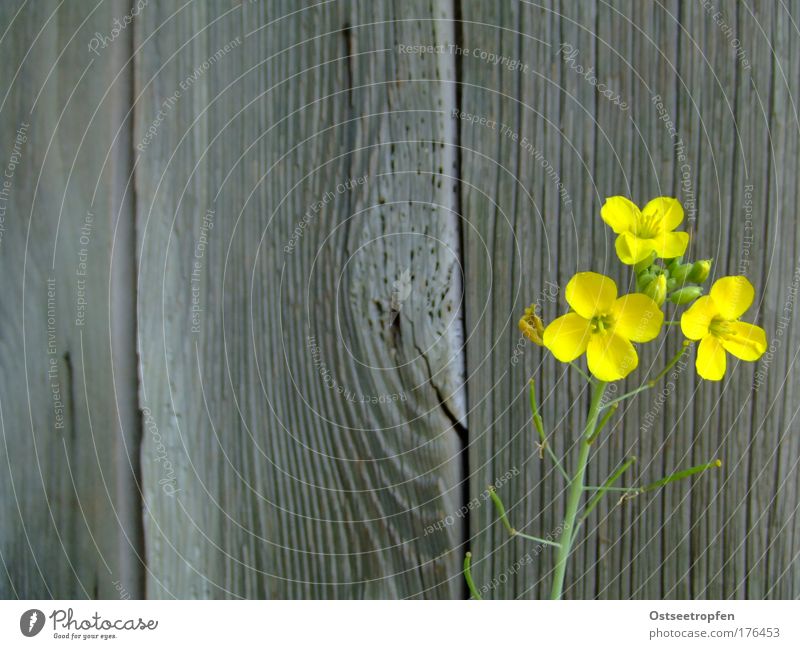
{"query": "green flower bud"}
[(673, 263), (657, 290), (700, 271), (672, 284), (680, 273), (643, 280), (645, 263), (686, 295)]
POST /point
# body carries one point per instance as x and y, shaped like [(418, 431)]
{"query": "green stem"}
[(537, 419), (625, 489), (609, 414), (673, 361), (575, 491), (501, 510), (537, 423), (641, 388), (537, 539), (680, 475), (580, 371), (651, 383), (468, 576), (608, 486)]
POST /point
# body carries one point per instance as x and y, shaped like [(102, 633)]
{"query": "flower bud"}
[(686, 295), (680, 273), (657, 289), (700, 271), (532, 326), (673, 263), (643, 280), (645, 263)]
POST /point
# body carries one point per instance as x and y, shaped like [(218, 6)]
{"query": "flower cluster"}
[(604, 326)]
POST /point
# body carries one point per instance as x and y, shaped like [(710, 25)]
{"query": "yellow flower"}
[(603, 326), (531, 325), (714, 320), (643, 231)]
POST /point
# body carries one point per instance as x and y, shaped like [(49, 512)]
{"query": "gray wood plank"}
[(289, 481), (70, 525), (728, 534)]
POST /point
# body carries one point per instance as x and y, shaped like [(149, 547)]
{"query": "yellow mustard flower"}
[(603, 326), (643, 231), (714, 320), (531, 325)]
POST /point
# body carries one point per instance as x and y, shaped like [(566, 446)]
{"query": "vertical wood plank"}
[(312, 413), (69, 505)]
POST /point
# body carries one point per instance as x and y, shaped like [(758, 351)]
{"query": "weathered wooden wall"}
[(320, 392)]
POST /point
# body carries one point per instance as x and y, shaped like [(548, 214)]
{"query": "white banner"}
[(385, 625)]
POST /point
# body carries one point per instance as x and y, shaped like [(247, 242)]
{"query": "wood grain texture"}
[(70, 525), (731, 533), (292, 482), (313, 239)]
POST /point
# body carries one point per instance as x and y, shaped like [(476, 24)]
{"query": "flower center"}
[(648, 227), (719, 328), (602, 323)]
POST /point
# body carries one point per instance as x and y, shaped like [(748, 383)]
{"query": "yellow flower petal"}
[(744, 340), (710, 362), (637, 317), (610, 356), (566, 337), (732, 296), (697, 318), (631, 249), (619, 213), (671, 244), (668, 210), (590, 294)]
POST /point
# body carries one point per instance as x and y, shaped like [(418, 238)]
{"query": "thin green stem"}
[(673, 361), (680, 475), (468, 576), (575, 491), (580, 371), (651, 383), (608, 415), (537, 419), (536, 539), (537, 423), (607, 486), (641, 388), (556, 461), (501, 510), (625, 489)]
